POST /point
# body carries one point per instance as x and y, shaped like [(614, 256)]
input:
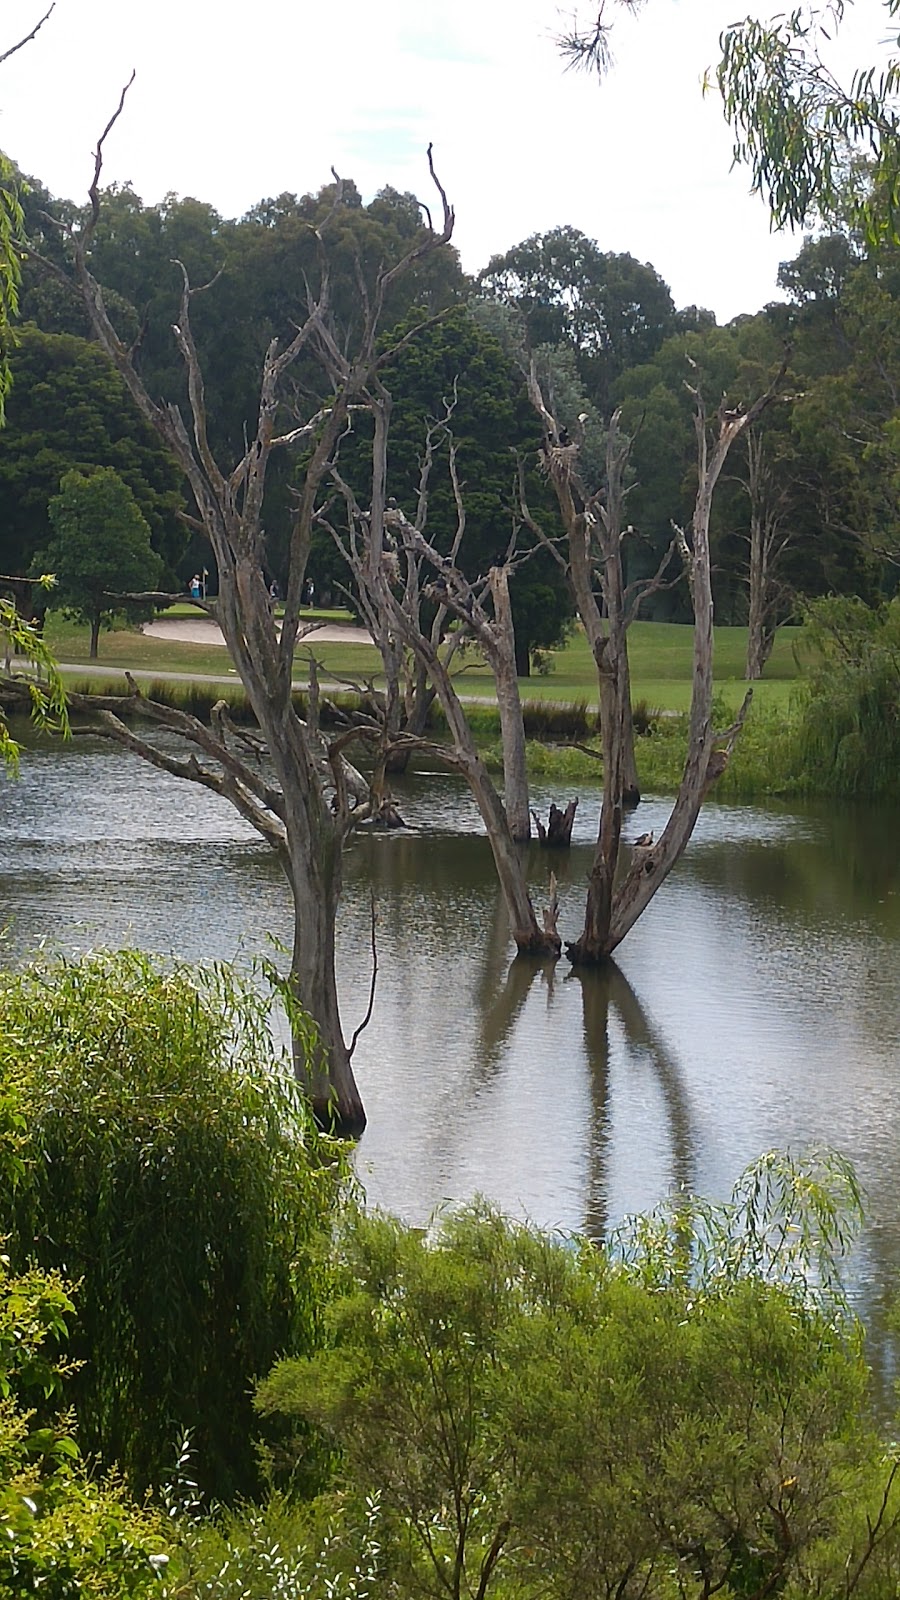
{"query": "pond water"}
[(756, 1004)]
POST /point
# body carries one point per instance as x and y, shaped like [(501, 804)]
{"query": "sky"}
[(234, 103)]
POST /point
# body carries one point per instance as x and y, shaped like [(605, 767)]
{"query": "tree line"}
[(808, 507)]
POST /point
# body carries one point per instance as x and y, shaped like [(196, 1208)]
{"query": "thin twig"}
[(28, 37)]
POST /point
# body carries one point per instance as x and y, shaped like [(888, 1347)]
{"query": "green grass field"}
[(660, 656)]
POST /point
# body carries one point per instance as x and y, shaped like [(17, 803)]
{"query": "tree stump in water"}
[(557, 835), (387, 816)]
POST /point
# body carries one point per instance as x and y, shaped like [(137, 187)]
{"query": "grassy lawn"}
[(660, 662), (660, 655)]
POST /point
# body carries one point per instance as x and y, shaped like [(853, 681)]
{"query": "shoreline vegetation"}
[(771, 759)]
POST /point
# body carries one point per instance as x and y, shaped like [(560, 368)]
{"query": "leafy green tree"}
[(11, 220), (152, 1149), (12, 232), (100, 547), (613, 311), (47, 695), (845, 420), (681, 1413), (257, 270), (72, 412), (847, 739)]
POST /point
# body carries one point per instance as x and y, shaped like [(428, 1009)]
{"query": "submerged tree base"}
[(347, 1123), (587, 953), (557, 834)]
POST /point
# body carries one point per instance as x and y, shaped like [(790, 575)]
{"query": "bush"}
[(62, 1534), (681, 1414), (152, 1149)]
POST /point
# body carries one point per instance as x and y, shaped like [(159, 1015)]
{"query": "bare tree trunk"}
[(768, 540), (418, 704), (323, 1066), (759, 638), (591, 945), (593, 525), (530, 938), (95, 638), (393, 601), (509, 705), (631, 787), (557, 835), (708, 752)]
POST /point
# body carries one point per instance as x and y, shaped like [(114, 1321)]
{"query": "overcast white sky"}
[(233, 103)]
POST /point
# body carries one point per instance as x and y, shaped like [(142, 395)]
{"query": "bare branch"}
[(28, 37), (94, 190)]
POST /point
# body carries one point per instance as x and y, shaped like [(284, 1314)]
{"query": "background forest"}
[(809, 504)]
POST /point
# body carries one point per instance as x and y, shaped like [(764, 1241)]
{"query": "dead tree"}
[(403, 706), (482, 609), (592, 560), (614, 900), (556, 833), (312, 820), (392, 563), (768, 540)]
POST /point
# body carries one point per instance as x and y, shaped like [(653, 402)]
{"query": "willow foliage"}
[(153, 1152), (848, 735), (46, 691), (11, 229)]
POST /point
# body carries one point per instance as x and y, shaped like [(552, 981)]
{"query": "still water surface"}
[(757, 1001)]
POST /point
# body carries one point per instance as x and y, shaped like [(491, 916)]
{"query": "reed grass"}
[(197, 698)]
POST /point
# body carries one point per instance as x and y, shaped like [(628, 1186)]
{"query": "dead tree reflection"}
[(603, 990)]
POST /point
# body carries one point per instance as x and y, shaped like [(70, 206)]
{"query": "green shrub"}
[(681, 1414), (62, 1534), (152, 1149)]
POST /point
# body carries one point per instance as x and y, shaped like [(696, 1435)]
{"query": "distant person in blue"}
[(195, 586)]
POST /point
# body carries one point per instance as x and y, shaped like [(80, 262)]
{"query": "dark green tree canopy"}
[(72, 413), (613, 311), (255, 274)]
